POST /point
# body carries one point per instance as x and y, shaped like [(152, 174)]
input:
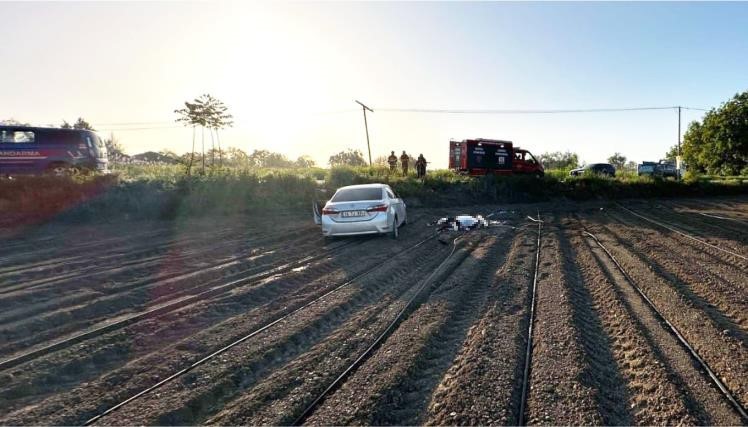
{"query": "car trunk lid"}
[(354, 211)]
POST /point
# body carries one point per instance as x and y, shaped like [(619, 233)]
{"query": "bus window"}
[(16, 137)]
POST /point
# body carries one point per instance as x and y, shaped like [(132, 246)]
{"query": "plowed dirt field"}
[(262, 321)]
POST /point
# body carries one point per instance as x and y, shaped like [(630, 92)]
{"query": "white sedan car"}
[(362, 209)]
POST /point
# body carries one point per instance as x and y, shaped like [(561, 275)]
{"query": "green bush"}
[(165, 192)]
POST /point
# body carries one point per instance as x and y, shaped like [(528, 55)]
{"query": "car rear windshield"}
[(357, 194)]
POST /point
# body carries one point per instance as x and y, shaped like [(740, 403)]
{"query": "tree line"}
[(718, 144)]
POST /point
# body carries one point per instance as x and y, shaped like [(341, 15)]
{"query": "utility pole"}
[(366, 125), (679, 108), (678, 159)]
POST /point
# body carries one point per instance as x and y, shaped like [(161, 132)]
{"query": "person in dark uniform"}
[(392, 160), (421, 166), (404, 160)]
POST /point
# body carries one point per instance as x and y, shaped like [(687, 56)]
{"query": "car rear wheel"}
[(395, 231)]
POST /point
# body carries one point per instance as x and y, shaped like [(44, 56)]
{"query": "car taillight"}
[(377, 208), (329, 211)]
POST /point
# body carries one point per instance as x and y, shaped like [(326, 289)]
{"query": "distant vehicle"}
[(480, 156), (362, 209), (604, 169), (36, 150), (647, 169), (663, 168)]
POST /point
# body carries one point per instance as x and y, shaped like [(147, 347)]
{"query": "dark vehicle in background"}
[(37, 150), (647, 169), (663, 168), (480, 156), (604, 169)]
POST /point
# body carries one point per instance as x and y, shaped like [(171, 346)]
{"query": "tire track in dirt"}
[(67, 320), (13, 252), (137, 352), (266, 282), (394, 386), (702, 396), (333, 324), (650, 393), (82, 263), (284, 396), (89, 238), (716, 246), (173, 269), (722, 351), (162, 279), (163, 293), (733, 225), (701, 224), (719, 291), (572, 368), (160, 259), (71, 260), (690, 247), (734, 208), (484, 383)]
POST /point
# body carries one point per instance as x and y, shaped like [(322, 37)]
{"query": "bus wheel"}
[(62, 169)]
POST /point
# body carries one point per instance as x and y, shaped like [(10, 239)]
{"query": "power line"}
[(697, 109), (145, 128), (126, 126), (138, 125), (514, 111), (133, 123)]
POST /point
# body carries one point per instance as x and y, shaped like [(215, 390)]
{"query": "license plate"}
[(350, 214)]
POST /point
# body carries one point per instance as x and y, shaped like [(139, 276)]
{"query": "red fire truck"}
[(492, 156)]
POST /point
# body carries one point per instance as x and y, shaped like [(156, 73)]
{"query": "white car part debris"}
[(461, 222)]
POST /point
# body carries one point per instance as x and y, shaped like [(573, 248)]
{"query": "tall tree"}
[(114, 149), (349, 157), (559, 160), (618, 160), (205, 112), (81, 123), (218, 119), (305, 162), (237, 157), (671, 153), (719, 143), (193, 115), (13, 122)]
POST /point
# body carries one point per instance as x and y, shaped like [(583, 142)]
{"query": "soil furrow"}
[(142, 346), (327, 333), (702, 400), (720, 292), (701, 225), (728, 245), (68, 320), (649, 392), (394, 387), (724, 353), (567, 381), (484, 383)]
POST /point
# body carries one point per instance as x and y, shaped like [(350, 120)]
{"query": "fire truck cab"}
[(480, 156)]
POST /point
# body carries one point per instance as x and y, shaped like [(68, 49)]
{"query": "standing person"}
[(404, 160), (392, 160), (421, 166)]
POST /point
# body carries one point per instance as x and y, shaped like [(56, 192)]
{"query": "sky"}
[(290, 72)]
